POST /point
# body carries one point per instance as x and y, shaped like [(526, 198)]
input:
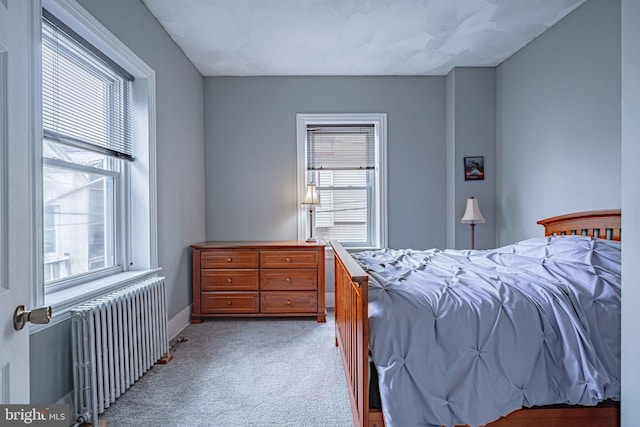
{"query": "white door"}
[(16, 205)]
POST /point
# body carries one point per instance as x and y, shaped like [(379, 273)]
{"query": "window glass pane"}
[(345, 178), (348, 216), (79, 222), (50, 232), (343, 213)]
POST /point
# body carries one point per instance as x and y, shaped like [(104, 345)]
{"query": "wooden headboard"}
[(603, 224)]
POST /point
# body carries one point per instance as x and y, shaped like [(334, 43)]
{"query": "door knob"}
[(39, 315)]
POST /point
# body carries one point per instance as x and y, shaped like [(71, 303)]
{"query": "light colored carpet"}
[(244, 372)]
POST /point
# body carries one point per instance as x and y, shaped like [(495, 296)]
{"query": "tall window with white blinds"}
[(341, 161), (87, 145)]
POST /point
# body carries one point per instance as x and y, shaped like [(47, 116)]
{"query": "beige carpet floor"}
[(243, 372)]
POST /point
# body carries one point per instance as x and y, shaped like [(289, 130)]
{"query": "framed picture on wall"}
[(474, 168)]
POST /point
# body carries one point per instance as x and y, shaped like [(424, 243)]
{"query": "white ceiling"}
[(352, 37)]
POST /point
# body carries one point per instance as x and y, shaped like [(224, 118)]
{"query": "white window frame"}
[(120, 185), (139, 256), (379, 120)]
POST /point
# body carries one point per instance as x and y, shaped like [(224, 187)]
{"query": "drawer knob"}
[(229, 280), (229, 302), (229, 259), (288, 302), (288, 259), (288, 279)]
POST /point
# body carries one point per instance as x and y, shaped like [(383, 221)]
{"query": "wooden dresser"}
[(252, 279)]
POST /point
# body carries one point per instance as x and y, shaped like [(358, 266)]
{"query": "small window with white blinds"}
[(87, 146), (343, 159)]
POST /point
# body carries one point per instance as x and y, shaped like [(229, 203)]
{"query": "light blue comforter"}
[(464, 337)]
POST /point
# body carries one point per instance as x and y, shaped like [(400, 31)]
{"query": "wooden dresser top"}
[(279, 244)]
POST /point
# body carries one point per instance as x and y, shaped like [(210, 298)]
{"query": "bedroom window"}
[(87, 148), (96, 164), (344, 156)]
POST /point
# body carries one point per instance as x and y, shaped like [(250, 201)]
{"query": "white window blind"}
[(86, 97), (339, 147)]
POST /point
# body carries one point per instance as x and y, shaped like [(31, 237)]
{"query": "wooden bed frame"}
[(352, 334)]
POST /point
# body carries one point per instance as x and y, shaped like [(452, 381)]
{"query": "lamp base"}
[(311, 240), (473, 237)]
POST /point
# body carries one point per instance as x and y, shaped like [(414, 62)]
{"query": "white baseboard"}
[(178, 322)]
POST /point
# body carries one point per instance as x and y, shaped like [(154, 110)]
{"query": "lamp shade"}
[(472, 214), (311, 196)]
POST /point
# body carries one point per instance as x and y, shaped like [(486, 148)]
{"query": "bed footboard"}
[(352, 330)]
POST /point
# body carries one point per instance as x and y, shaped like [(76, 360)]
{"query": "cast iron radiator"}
[(116, 339)]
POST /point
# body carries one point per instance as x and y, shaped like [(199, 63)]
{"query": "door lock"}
[(39, 315)]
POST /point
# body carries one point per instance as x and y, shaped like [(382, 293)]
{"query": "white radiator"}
[(116, 339)]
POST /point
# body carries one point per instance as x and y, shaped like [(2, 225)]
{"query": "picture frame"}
[(474, 168)]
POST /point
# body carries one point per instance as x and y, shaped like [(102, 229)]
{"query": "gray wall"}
[(471, 132), (250, 132), (631, 212), (558, 122), (180, 165)]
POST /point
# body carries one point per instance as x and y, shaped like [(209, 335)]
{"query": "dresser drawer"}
[(230, 302), (229, 280), (288, 302), (287, 279), (229, 259), (288, 259)]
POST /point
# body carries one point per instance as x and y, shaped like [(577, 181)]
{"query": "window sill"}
[(352, 249), (62, 301)]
